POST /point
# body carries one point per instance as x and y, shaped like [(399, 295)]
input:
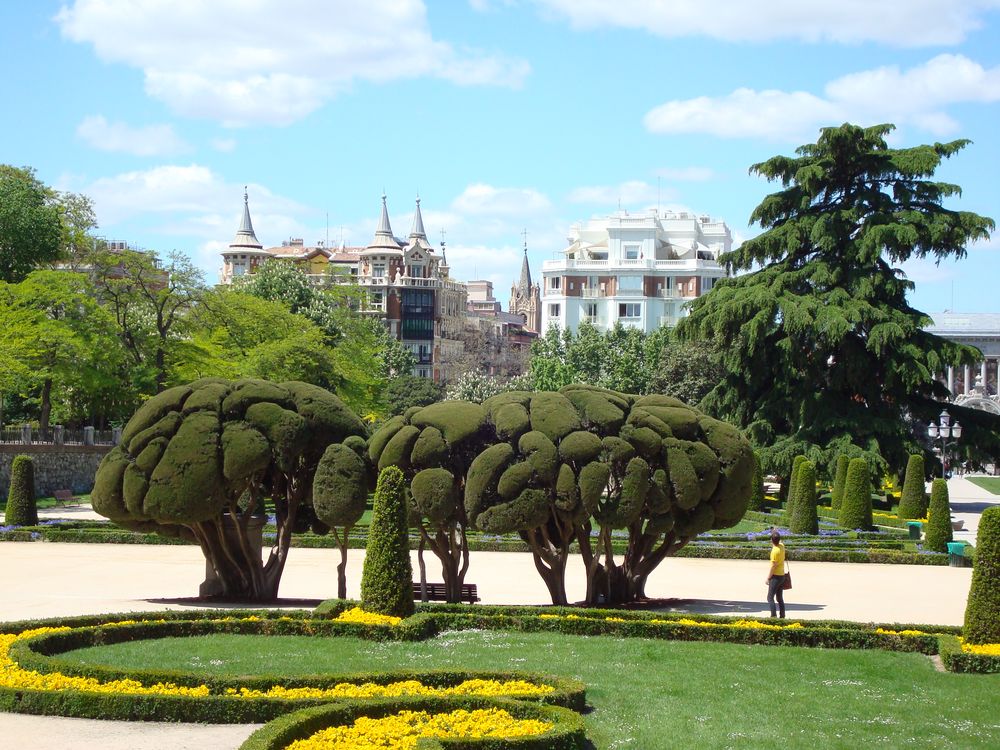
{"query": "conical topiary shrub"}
[(792, 493), (856, 508), (938, 518), (911, 503), (21, 508), (839, 478), (757, 489), (982, 613), (804, 518), (387, 576)]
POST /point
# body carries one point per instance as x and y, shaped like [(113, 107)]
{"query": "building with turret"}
[(525, 298)]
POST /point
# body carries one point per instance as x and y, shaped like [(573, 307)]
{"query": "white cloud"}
[(900, 23), (633, 193), (273, 61), (480, 199), (149, 140), (225, 145), (914, 97)]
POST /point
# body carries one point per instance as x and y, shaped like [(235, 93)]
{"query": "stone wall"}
[(57, 467)]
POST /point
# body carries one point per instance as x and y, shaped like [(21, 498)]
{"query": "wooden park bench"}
[(65, 497), (436, 592)]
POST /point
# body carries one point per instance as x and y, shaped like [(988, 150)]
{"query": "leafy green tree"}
[(31, 233), (411, 390), (824, 349), (911, 501), (199, 461), (938, 518), (687, 370), (839, 479), (280, 281), (856, 508), (804, 518), (386, 579), (340, 495), (477, 387), (982, 612)]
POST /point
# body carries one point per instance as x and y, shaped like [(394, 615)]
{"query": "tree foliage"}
[(386, 580), (406, 391), (823, 349), (839, 481), (31, 232), (911, 501), (938, 518), (803, 518), (856, 507)]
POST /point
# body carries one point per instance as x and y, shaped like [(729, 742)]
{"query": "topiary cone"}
[(938, 518), (804, 518), (793, 484), (387, 576), (856, 509), (21, 508), (839, 479), (982, 613), (911, 503), (757, 490)]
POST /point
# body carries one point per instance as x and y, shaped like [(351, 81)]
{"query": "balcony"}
[(645, 264), (669, 320)]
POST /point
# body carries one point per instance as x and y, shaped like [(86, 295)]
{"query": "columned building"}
[(633, 269), (972, 385)]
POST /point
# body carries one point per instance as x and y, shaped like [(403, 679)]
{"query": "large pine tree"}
[(826, 349)]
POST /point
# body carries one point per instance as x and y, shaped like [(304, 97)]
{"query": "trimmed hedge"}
[(386, 579), (957, 660), (856, 508), (938, 532), (911, 502), (839, 480), (21, 509), (982, 613), (803, 517), (567, 732), (757, 489)]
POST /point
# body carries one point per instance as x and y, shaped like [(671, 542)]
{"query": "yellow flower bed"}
[(489, 688), (984, 649), (359, 616), (401, 731), (13, 676), (886, 631)]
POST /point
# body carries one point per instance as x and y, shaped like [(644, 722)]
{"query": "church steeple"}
[(245, 236), (524, 284), (417, 231)]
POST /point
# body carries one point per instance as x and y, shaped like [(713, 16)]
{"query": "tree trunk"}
[(342, 567), (43, 417)]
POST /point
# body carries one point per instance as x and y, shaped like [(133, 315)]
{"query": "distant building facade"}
[(633, 269), (525, 298), (972, 385)]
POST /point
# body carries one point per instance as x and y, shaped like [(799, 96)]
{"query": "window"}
[(554, 311), (707, 284), (378, 270), (555, 282), (629, 310), (631, 252), (630, 283), (590, 310), (375, 299)]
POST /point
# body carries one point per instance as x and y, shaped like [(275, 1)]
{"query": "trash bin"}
[(915, 528), (956, 554)]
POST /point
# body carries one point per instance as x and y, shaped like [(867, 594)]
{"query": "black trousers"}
[(774, 589)]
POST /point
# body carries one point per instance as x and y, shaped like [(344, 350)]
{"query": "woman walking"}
[(776, 578)]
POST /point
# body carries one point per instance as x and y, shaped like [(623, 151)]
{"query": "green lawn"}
[(650, 694), (987, 483)]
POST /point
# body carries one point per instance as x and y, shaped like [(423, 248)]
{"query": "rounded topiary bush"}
[(757, 489), (911, 503), (839, 480), (938, 518), (21, 508), (856, 508), (804, 518), (386, 579), (982, 613)]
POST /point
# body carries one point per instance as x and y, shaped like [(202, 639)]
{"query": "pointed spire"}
[(524, 285), (417, 231), (384, 239), (245, 236)]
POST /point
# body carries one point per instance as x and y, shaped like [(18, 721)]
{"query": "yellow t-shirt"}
[(778, 559)]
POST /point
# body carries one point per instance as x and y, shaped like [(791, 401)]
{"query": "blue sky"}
[(504, 115)]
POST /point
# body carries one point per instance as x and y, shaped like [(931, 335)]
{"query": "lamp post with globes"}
[(942, 431)]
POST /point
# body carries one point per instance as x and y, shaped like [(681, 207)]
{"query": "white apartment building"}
[(636, 269)]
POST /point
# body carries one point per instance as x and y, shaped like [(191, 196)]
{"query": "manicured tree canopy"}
[(938, 518), (340, 495), (839, 480), (911, 502), (804, 519), (21, 507), (757, 489), (856, 509), (386, 579), (199, 460), (982, 613)]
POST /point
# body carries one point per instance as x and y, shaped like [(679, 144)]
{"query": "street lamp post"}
[(944, 430)]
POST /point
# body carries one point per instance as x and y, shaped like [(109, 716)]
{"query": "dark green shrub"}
[(982, 613), (386, 579), (839, 479), (911, 503), (804, 519), (757, 491), (793, 478), (938, 518), (856, 508), (21, 508)]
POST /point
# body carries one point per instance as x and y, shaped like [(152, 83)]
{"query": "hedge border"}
[(567, 733), (957, 660)]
